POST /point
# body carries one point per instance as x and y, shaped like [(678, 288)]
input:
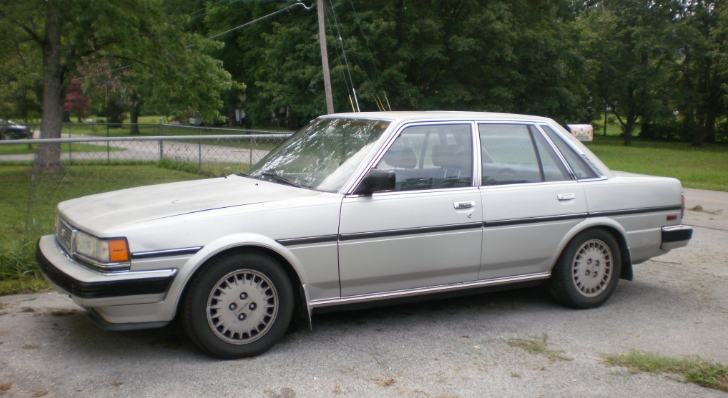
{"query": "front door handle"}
[(463, 205), (566, 196)]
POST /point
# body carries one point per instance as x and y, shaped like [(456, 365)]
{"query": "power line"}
[(260, 19), (219, 34)]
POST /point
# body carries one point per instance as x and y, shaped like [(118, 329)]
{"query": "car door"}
[(530, 200), (426, 232)]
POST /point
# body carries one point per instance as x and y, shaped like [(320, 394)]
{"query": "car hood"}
[(99, 214)]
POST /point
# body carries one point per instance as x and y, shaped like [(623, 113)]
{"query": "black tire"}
[(587, 272), (238, 306)]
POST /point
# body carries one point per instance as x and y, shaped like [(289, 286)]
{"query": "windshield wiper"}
[(276, 177)]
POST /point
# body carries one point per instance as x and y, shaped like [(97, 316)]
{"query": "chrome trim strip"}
[(362, 298), (308, 240), (625, 212), (408, 231), (165, 253), (533, 220), (122, 266)]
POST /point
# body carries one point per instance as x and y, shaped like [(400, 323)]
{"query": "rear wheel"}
[(587, 272), (238, 305)]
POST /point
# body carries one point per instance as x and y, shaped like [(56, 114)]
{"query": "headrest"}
[(450, 156), (401, 157)]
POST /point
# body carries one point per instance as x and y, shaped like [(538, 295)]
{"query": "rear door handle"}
[(463, 205), (566, 196)]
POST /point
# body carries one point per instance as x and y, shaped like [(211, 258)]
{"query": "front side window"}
[(322, 155), (517, 154), (431, 157)]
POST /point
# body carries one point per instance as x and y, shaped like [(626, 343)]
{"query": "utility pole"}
[(325, 57)]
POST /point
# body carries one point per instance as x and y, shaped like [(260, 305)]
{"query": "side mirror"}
[(376, 181)]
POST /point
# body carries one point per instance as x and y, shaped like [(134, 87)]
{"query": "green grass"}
[(18, 233), (538, 347), (702, 168), (613, 128), (694, 370)]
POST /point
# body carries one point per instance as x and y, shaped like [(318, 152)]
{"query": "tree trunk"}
[(710, 120), (699, 131), (628, 128), (231, 116), (646, 130), (134, 120), (48, 158)]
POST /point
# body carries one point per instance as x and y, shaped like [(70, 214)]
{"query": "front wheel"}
[(587, 271), (238, 305)]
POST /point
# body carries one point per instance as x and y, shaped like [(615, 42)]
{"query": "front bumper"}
[(91, 288), (675, 236)]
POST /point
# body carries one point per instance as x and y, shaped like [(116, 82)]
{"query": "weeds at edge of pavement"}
[(694, 369), (538, 347), (23, 286)]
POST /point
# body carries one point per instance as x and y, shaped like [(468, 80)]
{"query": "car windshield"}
[(321, 156)]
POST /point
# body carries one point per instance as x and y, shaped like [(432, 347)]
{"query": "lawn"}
[(21, 227), (701, 168)]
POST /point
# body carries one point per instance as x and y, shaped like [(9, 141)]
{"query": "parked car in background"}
[(363, 209), (10, 130)]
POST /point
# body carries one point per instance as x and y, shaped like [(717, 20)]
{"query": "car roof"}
[(406, 116)]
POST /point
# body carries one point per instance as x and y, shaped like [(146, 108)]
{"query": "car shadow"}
[(82, 336)]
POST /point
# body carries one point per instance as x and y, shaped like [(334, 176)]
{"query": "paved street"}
[(204, 151)]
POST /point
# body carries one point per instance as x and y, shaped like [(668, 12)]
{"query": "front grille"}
[(64, 235)]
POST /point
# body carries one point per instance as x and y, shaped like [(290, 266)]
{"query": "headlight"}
[(102, 250)]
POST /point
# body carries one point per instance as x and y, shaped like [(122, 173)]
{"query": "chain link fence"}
[(93, 164)]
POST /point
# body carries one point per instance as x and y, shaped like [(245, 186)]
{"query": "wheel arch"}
[(614, 229), (288, 262)]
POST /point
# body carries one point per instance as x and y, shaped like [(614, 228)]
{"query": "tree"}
[(20, 75), (701, 67), (76, 103), (471, 54), (130, 32), (629, 44)]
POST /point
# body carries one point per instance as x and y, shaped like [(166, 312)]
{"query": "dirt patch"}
[(65, 312), (700, 209)]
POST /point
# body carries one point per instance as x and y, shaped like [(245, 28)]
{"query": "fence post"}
[(161, 145), (199, 156), (70, 157), (250, 153), (108, 148)]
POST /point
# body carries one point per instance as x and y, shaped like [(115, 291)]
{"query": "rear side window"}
[(517, 154), (577, 164)]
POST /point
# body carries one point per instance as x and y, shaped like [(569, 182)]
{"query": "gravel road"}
[(676, 306)]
